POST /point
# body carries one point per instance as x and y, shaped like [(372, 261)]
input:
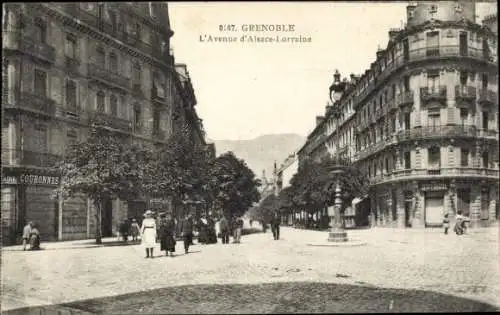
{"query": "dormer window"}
[(433, 9), (458, 9)]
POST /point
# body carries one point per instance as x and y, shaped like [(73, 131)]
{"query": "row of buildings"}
[(67, 67), (422, 121)]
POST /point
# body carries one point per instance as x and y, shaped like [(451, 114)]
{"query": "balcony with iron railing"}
[(16, 40), (71, 64), (375, 147), (436, 173), (404, 98), (107, 76), (422, 55), (426, 132), (104, 120), (392, 105), (37, 103), (20, 157), (137, 90), (158, 135), (158, 95), (465, 93), (433, 94), (440, 131), (487, 97)]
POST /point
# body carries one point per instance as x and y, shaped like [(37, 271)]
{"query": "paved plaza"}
[(463, 267)]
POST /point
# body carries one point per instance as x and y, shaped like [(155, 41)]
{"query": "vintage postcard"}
[(249, 157)]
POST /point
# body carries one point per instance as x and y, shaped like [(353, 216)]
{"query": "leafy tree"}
[(313, 186), (102, 167), (233, 185), (265, 210), (178, 169)]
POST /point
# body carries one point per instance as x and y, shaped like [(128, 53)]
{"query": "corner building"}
[(424, 119), (67, 67), (427, 116)]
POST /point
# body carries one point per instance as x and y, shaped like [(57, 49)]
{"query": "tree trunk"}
[(98, 226)]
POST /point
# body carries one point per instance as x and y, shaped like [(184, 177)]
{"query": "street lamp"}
[(337, 232)]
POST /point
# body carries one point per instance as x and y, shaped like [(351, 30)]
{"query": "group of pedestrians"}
[(129, 228), (31, 236), (167, 230), (460, 223)]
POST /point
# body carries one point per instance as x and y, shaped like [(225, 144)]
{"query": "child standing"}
[(27, 234), (134, 229), (446, 223)]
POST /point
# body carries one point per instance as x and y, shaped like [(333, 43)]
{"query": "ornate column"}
[(477, 159), (373, 209), (389, 219), (337, 233), (400, 208), (416, 213), (452, 193)]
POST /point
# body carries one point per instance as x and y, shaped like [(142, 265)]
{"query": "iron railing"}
[(404, 98), (100, 119), (442, 172), (418, 55), (22, 157), (29, 101), (487, 97), (107, 76), (428, 94), (465, 92)]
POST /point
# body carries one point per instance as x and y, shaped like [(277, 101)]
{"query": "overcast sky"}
[(245, 90)]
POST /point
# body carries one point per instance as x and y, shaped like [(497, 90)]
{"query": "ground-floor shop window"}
[(463, 201)]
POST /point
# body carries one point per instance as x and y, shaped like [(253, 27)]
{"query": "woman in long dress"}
[(167, 240), (148, 233)]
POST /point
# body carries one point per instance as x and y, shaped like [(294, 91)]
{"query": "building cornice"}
[(75, 23)]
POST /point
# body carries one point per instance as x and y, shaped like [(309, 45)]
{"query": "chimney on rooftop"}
[(336, 76), (393, 32), (319, 120), (380, 52)]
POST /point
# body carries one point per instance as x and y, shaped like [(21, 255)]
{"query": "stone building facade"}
[(69, 66), (422, 122)]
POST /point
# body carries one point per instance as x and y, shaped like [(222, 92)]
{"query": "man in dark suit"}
[(275, 226), (224, 230), (187, 232)]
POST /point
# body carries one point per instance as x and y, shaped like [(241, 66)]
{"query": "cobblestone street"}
[(466, 266)]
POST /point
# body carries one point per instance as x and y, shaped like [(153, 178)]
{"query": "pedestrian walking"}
[(167, 240), (251, 222), (275, 226), (157, 217), (202, 230), (238, 226), (148, 233), (124, 230), (134, 230), (26, 234), (460, 223), (224, 230), (34, 237), (187, 232), (211, 232), (446, 223)]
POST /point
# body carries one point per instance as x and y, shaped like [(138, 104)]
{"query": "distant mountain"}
[(260, 153)]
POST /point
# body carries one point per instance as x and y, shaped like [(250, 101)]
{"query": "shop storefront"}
[(28, 197)]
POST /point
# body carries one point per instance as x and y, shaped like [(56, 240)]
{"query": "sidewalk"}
[(369, 235), (88, 243), (465, 266)]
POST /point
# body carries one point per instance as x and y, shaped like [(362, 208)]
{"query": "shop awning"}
[(357, 200)]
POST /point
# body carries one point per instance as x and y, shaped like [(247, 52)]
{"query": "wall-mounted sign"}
[(433, 186), (9, 180), (31, 180)]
